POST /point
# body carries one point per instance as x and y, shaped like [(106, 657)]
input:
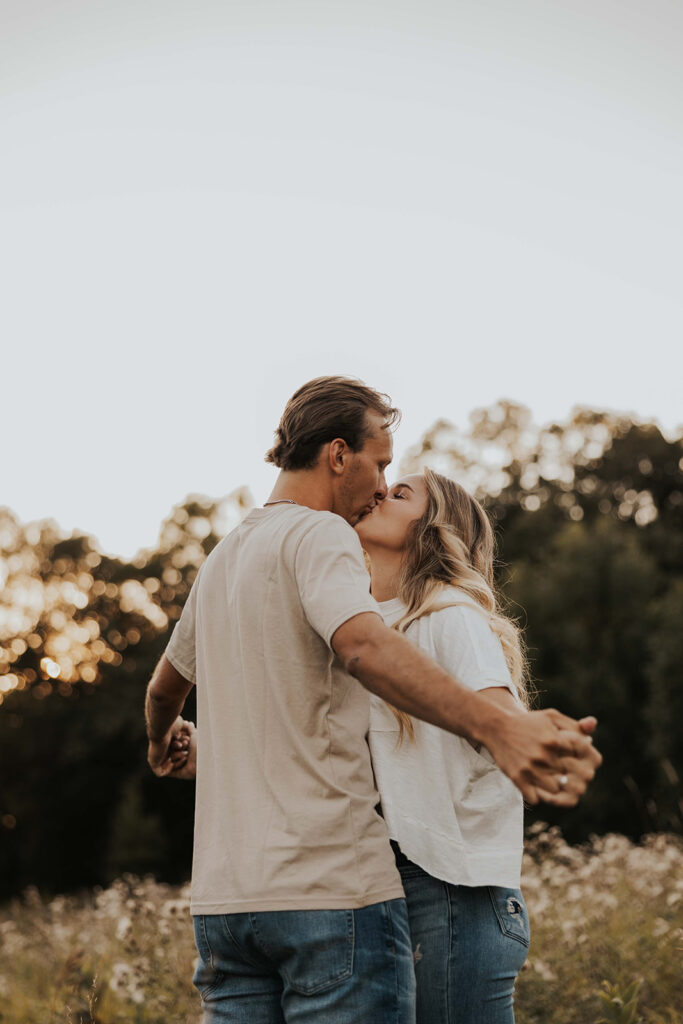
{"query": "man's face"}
[(363, 484)]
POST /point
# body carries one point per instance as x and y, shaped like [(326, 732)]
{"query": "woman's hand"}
[(548, 756)]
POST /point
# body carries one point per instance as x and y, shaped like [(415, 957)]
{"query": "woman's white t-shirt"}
[(450, 808)]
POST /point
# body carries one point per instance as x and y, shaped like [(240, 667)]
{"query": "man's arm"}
[(165, 699), (534, 748)]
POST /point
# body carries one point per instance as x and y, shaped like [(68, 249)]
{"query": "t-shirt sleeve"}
[(181, 649), (331, 577), (466, 646)]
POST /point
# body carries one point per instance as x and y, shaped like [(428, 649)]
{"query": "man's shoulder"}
[(328, 520), (294, 523), (324, 529)]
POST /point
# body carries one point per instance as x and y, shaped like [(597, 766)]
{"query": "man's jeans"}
[(313, 966), (470, 943)]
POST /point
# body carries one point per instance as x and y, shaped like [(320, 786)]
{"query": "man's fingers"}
[(561, 720), (165, 768), (568, 743), (584, 726), (582, 768)]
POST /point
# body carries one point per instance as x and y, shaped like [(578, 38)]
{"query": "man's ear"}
[(338, 455)]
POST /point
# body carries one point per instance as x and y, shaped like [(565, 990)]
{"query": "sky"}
[(205, 205)]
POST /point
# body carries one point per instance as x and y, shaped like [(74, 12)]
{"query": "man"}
[(298, 908)]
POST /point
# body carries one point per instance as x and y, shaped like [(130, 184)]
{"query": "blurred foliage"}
[(620, 1007), (588, 515), (80, 634)]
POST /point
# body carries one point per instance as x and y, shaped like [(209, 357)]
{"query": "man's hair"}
[(322, 410)]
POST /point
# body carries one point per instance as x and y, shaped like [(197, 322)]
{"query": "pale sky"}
[(205, 204)]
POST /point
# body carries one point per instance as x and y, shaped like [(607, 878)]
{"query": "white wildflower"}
[(542, 968), (124, 983), (175, 908)]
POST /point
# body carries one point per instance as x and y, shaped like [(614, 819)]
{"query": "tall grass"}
[(607, 943), (608, 912)]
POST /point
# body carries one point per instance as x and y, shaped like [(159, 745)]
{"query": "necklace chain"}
[(281, 501)]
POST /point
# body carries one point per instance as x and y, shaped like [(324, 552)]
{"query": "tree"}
[(588, 516), (80, 634)]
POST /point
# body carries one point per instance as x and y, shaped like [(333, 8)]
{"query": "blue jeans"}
[(307, 966), (470, 944)]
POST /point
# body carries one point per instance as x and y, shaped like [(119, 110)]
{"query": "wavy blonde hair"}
[(452, 545)]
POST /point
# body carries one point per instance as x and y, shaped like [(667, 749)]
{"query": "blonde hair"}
[(452, 545)]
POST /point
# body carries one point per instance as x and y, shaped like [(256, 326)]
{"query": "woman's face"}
[(388, 524)]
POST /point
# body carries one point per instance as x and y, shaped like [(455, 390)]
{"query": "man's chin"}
[(363, 514)]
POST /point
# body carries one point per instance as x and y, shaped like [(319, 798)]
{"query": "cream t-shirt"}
[(285, 813), (449, 807)]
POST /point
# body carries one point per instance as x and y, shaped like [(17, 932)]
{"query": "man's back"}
[(285, 814)]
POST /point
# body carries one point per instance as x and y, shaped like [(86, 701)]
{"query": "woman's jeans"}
[(307, 966), (469, 945)]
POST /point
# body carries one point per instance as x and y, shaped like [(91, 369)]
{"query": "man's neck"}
[(303, 487), (385, 572)]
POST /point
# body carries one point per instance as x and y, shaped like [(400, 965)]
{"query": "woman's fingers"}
[(565, 785), (180, 744)]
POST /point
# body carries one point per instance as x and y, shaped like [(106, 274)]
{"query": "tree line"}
[(588, 515)]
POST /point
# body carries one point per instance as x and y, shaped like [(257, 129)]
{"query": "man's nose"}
[(381, 492)]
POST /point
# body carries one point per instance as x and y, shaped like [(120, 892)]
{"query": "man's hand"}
[(184, 751), (547, 755), (161, 756), (164, 701)]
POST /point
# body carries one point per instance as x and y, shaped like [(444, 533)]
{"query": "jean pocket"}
[(319, 948), (206, 977), (201, 940), (510, 909)]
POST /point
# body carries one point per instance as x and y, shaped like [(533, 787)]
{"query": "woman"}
[(454, 819)]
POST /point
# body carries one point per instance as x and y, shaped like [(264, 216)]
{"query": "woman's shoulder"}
[(458, 619), (461, 636), (454, 604)]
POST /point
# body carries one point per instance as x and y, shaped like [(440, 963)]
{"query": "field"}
[(609, 913)]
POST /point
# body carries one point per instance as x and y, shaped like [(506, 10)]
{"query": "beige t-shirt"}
[(285, 813)]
